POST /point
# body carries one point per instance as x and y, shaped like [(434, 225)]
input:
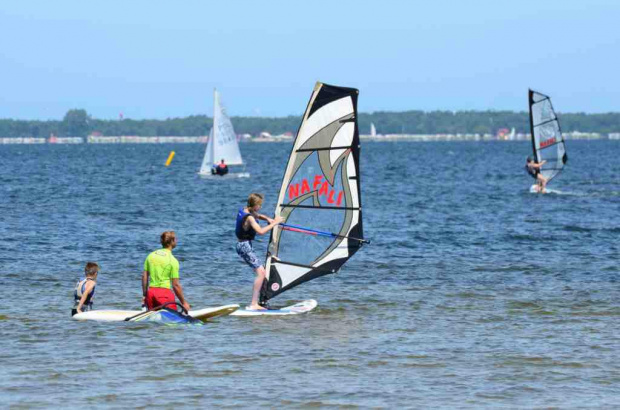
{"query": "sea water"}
[(474, 292)]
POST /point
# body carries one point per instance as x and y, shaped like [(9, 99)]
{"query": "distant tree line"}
[(78, 123)]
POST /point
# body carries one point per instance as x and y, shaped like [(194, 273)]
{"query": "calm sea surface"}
[(474, 292)]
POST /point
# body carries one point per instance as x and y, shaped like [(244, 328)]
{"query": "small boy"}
[(85, 289), (246, 229)]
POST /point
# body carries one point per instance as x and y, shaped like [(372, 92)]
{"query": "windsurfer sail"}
[(547, 140), (320, 198), (222, 144)]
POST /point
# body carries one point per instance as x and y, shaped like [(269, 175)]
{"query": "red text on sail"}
[(546, 143), (318, 183)]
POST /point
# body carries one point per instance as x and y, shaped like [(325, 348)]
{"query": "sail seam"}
[(322, 149), (543, 99), (546, 122), (339, 208)]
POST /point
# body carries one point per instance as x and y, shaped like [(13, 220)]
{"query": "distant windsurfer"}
[(533, 168), (85, 289), (220, 169), (246, 229), (161, 275)]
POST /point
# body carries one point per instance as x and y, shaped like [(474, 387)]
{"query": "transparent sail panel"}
[(309, 188)]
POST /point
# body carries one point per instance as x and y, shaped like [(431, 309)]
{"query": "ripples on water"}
[(474, 292)]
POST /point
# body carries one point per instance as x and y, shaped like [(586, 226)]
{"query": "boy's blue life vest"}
[(242, 234)]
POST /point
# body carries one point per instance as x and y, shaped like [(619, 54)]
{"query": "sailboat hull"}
[(230, 175)]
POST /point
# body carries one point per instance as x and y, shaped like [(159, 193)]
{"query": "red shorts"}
[(156, 297)]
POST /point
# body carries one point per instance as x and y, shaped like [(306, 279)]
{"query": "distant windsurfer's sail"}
[(222, 140), (547, 140), (320, 197)]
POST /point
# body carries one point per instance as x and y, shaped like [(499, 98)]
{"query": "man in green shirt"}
[(161, 275)]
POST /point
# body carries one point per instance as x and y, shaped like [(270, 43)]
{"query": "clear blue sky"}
[(160, 59)]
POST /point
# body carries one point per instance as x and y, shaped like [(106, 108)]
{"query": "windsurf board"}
[(122, 315), (296, 309)]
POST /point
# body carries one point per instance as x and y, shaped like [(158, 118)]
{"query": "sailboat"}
[(222, 144), (512, 135), (547, 140), (373, 130), (320, 199)]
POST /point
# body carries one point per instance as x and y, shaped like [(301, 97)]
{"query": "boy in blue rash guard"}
[(246, 229), (85, 289)]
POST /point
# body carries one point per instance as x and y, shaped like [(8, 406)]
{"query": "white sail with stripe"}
[(320, 198)]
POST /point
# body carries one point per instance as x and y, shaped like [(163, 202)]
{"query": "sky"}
[(162, 59)]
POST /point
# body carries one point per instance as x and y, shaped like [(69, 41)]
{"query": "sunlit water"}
[(474, 292)]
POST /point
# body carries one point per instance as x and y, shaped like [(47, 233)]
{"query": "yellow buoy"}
[(170, 158)]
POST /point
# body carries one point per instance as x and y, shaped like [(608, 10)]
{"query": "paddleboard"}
[(296, 309), (122, 315)]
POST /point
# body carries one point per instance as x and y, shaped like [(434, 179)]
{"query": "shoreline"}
[(132, 139)]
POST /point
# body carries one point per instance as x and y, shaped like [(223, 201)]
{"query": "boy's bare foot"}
[(256, 307)]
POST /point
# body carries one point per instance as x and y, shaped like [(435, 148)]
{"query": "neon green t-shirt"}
[(162, 268)]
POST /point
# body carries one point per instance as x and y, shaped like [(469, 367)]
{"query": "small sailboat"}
[(373, 130), (547, 140), (512, 135), (320, 199), (222, 146)]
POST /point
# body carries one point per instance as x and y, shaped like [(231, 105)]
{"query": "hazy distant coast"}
[(414, 125), (132, 139)]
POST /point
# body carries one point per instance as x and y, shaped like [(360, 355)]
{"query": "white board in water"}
[(296, 309), (121, 315)]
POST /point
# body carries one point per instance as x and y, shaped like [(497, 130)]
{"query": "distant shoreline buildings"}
[(288, 137)]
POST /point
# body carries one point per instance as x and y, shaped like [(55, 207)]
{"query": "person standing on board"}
[(220, 169), (533, 168), (161, 275), (246, 229), (85, 289)]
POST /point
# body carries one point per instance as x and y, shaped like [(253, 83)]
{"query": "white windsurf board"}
[(122, 315), (296, 309), (534, 190)]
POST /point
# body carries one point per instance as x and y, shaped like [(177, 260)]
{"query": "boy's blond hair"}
[(255, 199)]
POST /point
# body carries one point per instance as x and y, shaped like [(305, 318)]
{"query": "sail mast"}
[(531, 103)]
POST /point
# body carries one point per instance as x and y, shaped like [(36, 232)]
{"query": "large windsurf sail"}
[(320, 198), (222, 142), (547, 140)]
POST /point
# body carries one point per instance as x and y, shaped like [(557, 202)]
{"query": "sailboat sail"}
[(320, 194), (222, 139), (207, 160), (547, 139), (373, 130)]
